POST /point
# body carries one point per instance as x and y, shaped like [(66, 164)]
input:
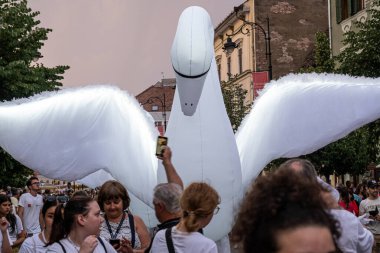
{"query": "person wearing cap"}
[(371, 207)]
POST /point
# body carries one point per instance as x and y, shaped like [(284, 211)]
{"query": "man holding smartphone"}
[(166, 196)]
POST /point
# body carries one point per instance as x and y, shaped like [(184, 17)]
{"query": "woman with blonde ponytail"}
[(199, 202)]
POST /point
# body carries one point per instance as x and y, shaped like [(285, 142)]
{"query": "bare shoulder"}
[(138, 220)]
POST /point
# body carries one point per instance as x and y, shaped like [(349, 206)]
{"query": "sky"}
[(121, 42)]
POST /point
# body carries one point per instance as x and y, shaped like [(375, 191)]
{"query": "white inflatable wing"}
[(96, 179), (299, 114), (72, 133), (204, 147)]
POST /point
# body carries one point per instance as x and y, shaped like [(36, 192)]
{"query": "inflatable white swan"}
[(100, 132)]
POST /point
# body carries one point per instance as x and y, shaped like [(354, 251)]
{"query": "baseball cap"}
[(372, 184)]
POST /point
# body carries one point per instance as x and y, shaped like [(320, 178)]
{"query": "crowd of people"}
[(289, 210)]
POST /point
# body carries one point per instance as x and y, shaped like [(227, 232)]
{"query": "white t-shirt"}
[(366, 206), (70, 247), (184, 242), (33, 245), (355, 238), (32, 207), (18, 229)]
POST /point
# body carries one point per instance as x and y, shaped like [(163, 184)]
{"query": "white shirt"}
[(32, 207), (70, 247), (355, 238), (184, 242), (366, 206), (33, 245)]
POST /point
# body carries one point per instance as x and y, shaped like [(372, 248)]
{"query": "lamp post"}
[(229, 46), (163, 105)]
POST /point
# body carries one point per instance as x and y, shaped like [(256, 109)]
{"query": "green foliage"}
[(361, 56), (20, 75), (234, 99), (347, 155), (323, 63), (20, 42), (13, 173)]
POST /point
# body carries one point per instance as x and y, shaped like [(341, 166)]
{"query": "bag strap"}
[(63, 248), (102, 243), (99, 239), (169, 240), (132, 226)]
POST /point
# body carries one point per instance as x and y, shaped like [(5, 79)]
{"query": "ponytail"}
[(191, 221), (197, 202)]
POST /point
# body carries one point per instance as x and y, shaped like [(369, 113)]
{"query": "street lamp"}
[(229, 46), (163, 105)]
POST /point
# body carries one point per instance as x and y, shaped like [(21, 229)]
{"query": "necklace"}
[(77, 248), (43, 237), (112, 234)]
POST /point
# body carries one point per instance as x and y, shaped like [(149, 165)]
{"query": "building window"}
[(218, 64), (347, 8), (240, 55), (229, 66), (154, 107)]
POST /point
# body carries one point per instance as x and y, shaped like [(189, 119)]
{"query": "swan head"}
[(191, 55)]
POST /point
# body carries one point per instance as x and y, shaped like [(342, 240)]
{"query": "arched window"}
[(347, 8), (218, 60)]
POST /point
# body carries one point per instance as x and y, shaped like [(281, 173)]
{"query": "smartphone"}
[(373, 213), (115, 243), (161, 141)]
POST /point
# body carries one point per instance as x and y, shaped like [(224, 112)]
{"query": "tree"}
[(323, 63), (347, 155), (20, 75), (234, 99), (361, 57)]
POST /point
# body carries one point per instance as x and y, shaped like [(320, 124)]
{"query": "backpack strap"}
[(102, 243), (169, 240), (63, 248), (132, 226)]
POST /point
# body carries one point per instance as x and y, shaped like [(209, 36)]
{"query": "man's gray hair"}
[(307, 170), (169, 195), (302, 166)]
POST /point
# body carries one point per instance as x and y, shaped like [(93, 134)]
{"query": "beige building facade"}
[(342, 17), (292, 28)]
